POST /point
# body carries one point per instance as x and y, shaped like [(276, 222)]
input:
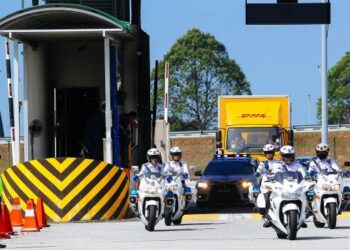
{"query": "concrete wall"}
[(198, 151), (35, 93), (76, 64)]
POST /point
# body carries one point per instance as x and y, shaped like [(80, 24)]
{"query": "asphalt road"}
[(219, 227), (200, 231)]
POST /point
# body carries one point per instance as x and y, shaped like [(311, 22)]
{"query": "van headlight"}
[(203, 185), (246, 184)]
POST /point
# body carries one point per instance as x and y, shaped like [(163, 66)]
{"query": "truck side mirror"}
[(218, 135), (291, 137), (218, 139)]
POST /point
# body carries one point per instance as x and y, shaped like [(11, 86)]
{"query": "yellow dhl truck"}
[(247, 123)]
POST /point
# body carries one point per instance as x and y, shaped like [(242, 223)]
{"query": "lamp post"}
[(309, 98), (324, 84)]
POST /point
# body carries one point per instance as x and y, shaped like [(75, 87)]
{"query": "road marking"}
[(191, 217), (221, 217)]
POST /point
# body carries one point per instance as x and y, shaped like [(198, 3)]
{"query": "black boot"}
[(304, 225), (267, 223)]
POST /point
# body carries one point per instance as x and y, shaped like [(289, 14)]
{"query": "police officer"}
[(267, 166), (176, 166), (323, 162), (288, 162), (270, 164), (152, 167)]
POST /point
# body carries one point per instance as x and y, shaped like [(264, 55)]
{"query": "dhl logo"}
[(254, 116)]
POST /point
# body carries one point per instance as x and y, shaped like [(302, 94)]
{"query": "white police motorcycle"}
[(288, 200), (328, 200), (151, 201), (182, 199)]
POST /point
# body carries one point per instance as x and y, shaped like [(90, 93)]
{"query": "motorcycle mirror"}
[(198, 173), (193, 168), (135, 169)]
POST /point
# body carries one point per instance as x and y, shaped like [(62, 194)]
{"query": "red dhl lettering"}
[(253, 116)]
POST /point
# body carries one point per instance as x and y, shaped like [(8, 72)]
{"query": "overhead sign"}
[(288, 13)]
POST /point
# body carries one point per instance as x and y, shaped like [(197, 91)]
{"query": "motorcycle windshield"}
[(289, 176), (328, 171)]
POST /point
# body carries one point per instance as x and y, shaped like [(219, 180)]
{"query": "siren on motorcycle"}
[(346, 193)]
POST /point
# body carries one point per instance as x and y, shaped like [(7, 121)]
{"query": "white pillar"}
[(108, 115), (16, 160), (166, 112)]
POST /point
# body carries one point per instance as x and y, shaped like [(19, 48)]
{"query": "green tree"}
[(338, 92), (200, 71)]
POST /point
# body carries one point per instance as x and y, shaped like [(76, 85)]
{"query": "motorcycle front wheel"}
[(332, 215), (167, 219), (292, 223), (152, 210)]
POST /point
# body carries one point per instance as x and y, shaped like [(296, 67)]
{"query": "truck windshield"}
[(251, 139)]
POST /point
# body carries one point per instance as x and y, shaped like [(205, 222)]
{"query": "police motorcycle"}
[(258, 192), (152, 201), (182, 198), (328, 200), (290, 193)]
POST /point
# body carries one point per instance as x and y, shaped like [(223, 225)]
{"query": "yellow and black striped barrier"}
[(73, 189)]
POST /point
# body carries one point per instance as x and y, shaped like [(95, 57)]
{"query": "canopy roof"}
[(53, 21)]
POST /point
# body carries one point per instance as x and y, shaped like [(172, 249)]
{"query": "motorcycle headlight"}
[(203, 185), (335, 188), (327, 187), (292, 196), (151, 190), (173, 187)]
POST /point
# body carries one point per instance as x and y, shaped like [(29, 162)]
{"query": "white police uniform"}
[(293, 167), (149, 169), (318, 165), (267, 166), (176, 168)]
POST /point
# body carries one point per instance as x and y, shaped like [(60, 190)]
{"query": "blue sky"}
[(277, 60)]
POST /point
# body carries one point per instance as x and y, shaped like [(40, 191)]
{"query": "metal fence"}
[(297, 128)]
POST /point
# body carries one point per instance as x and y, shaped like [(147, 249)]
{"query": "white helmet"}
[(269, 148), (175, 150), (153, 152), (287, 150), (322, 147)]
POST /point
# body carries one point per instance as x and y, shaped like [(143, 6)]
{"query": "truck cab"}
[(247, 123)]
